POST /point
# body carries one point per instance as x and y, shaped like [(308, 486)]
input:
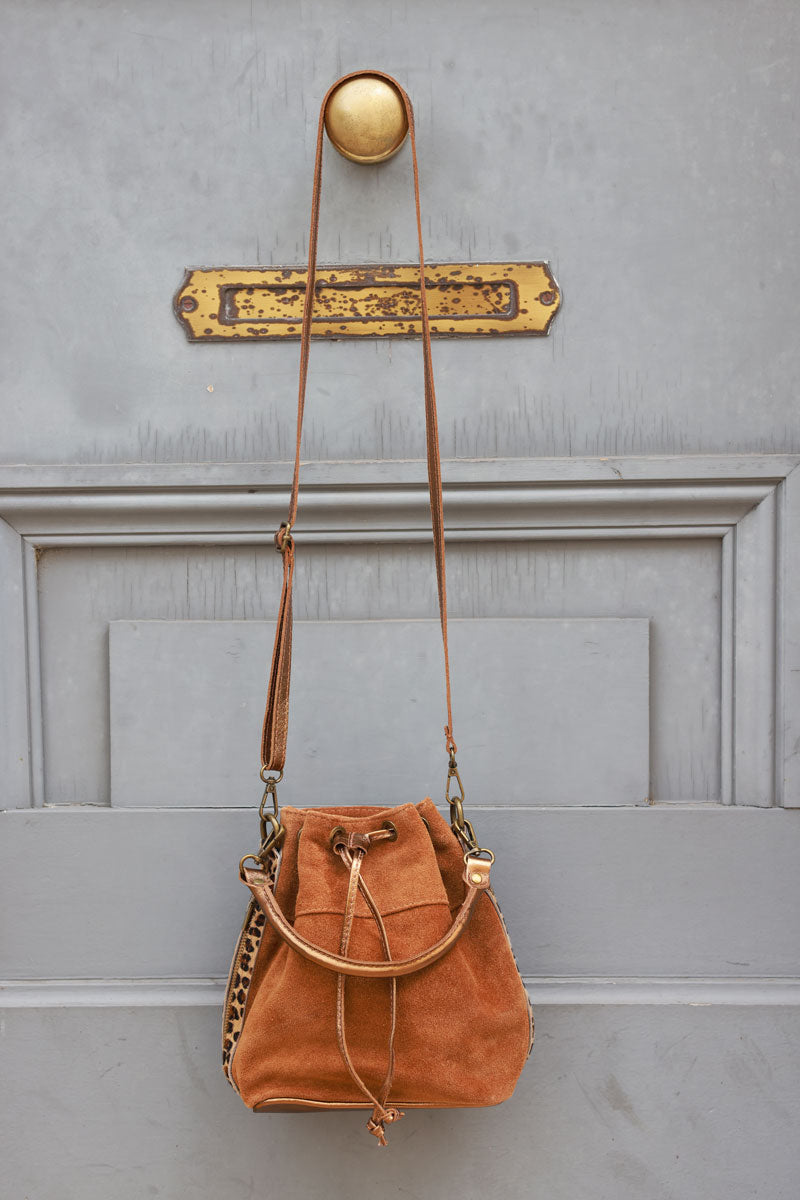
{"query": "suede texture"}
[(464, 1027)]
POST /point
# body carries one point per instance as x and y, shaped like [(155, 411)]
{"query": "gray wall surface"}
[(622, 503), (648, 150)]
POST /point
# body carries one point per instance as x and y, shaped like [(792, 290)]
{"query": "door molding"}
[(751, 503), (550, 991)]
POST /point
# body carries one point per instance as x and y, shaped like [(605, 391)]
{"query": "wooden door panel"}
[(660, 891), (676, 582), (635, 472), (559, 708)]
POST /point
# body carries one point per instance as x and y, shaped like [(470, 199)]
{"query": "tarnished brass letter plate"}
[(464, 299)]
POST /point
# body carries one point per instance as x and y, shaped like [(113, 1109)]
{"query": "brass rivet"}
[(476, 878), (366, 120)]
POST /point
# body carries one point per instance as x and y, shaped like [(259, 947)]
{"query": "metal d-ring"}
[(244, 859), (476, 852), (336, 835)]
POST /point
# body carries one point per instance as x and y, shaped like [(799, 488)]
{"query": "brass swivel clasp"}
[(273, 831), (271, 828), (460, 824)]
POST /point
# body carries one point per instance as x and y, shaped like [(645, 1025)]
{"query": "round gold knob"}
[(365, 119)]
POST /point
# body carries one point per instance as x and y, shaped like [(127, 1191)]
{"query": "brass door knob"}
[(365, 119)]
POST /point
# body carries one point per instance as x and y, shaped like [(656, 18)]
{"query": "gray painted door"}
[(622, 504)]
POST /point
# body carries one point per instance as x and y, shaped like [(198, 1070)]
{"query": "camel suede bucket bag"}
[(373, 970)]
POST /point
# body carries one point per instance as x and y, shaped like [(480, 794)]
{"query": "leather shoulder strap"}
[(276, 716)]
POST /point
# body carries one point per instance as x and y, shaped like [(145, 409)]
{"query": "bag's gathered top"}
[(402, 904)]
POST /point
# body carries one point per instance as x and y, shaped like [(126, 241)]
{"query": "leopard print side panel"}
[(499, 911), (239, 980)]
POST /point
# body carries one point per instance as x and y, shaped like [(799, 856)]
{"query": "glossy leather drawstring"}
[(352, 849)]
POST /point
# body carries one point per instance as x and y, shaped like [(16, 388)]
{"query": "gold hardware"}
[(271, 841), (390, 825), (452, 773), (459, 823), (336, 835), (283, 539), (457, 811), (366, 120), (271, 838), (466, 834), (477, 878), (244, 859), (464, 300), (269, 790)]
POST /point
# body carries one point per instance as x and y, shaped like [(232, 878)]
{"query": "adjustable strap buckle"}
[(283, 537)]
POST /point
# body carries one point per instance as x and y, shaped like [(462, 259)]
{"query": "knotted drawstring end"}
[(381, 1117), (352, 848)]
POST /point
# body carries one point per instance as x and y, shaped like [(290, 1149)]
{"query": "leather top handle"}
[(476, 877), (276, 716)]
